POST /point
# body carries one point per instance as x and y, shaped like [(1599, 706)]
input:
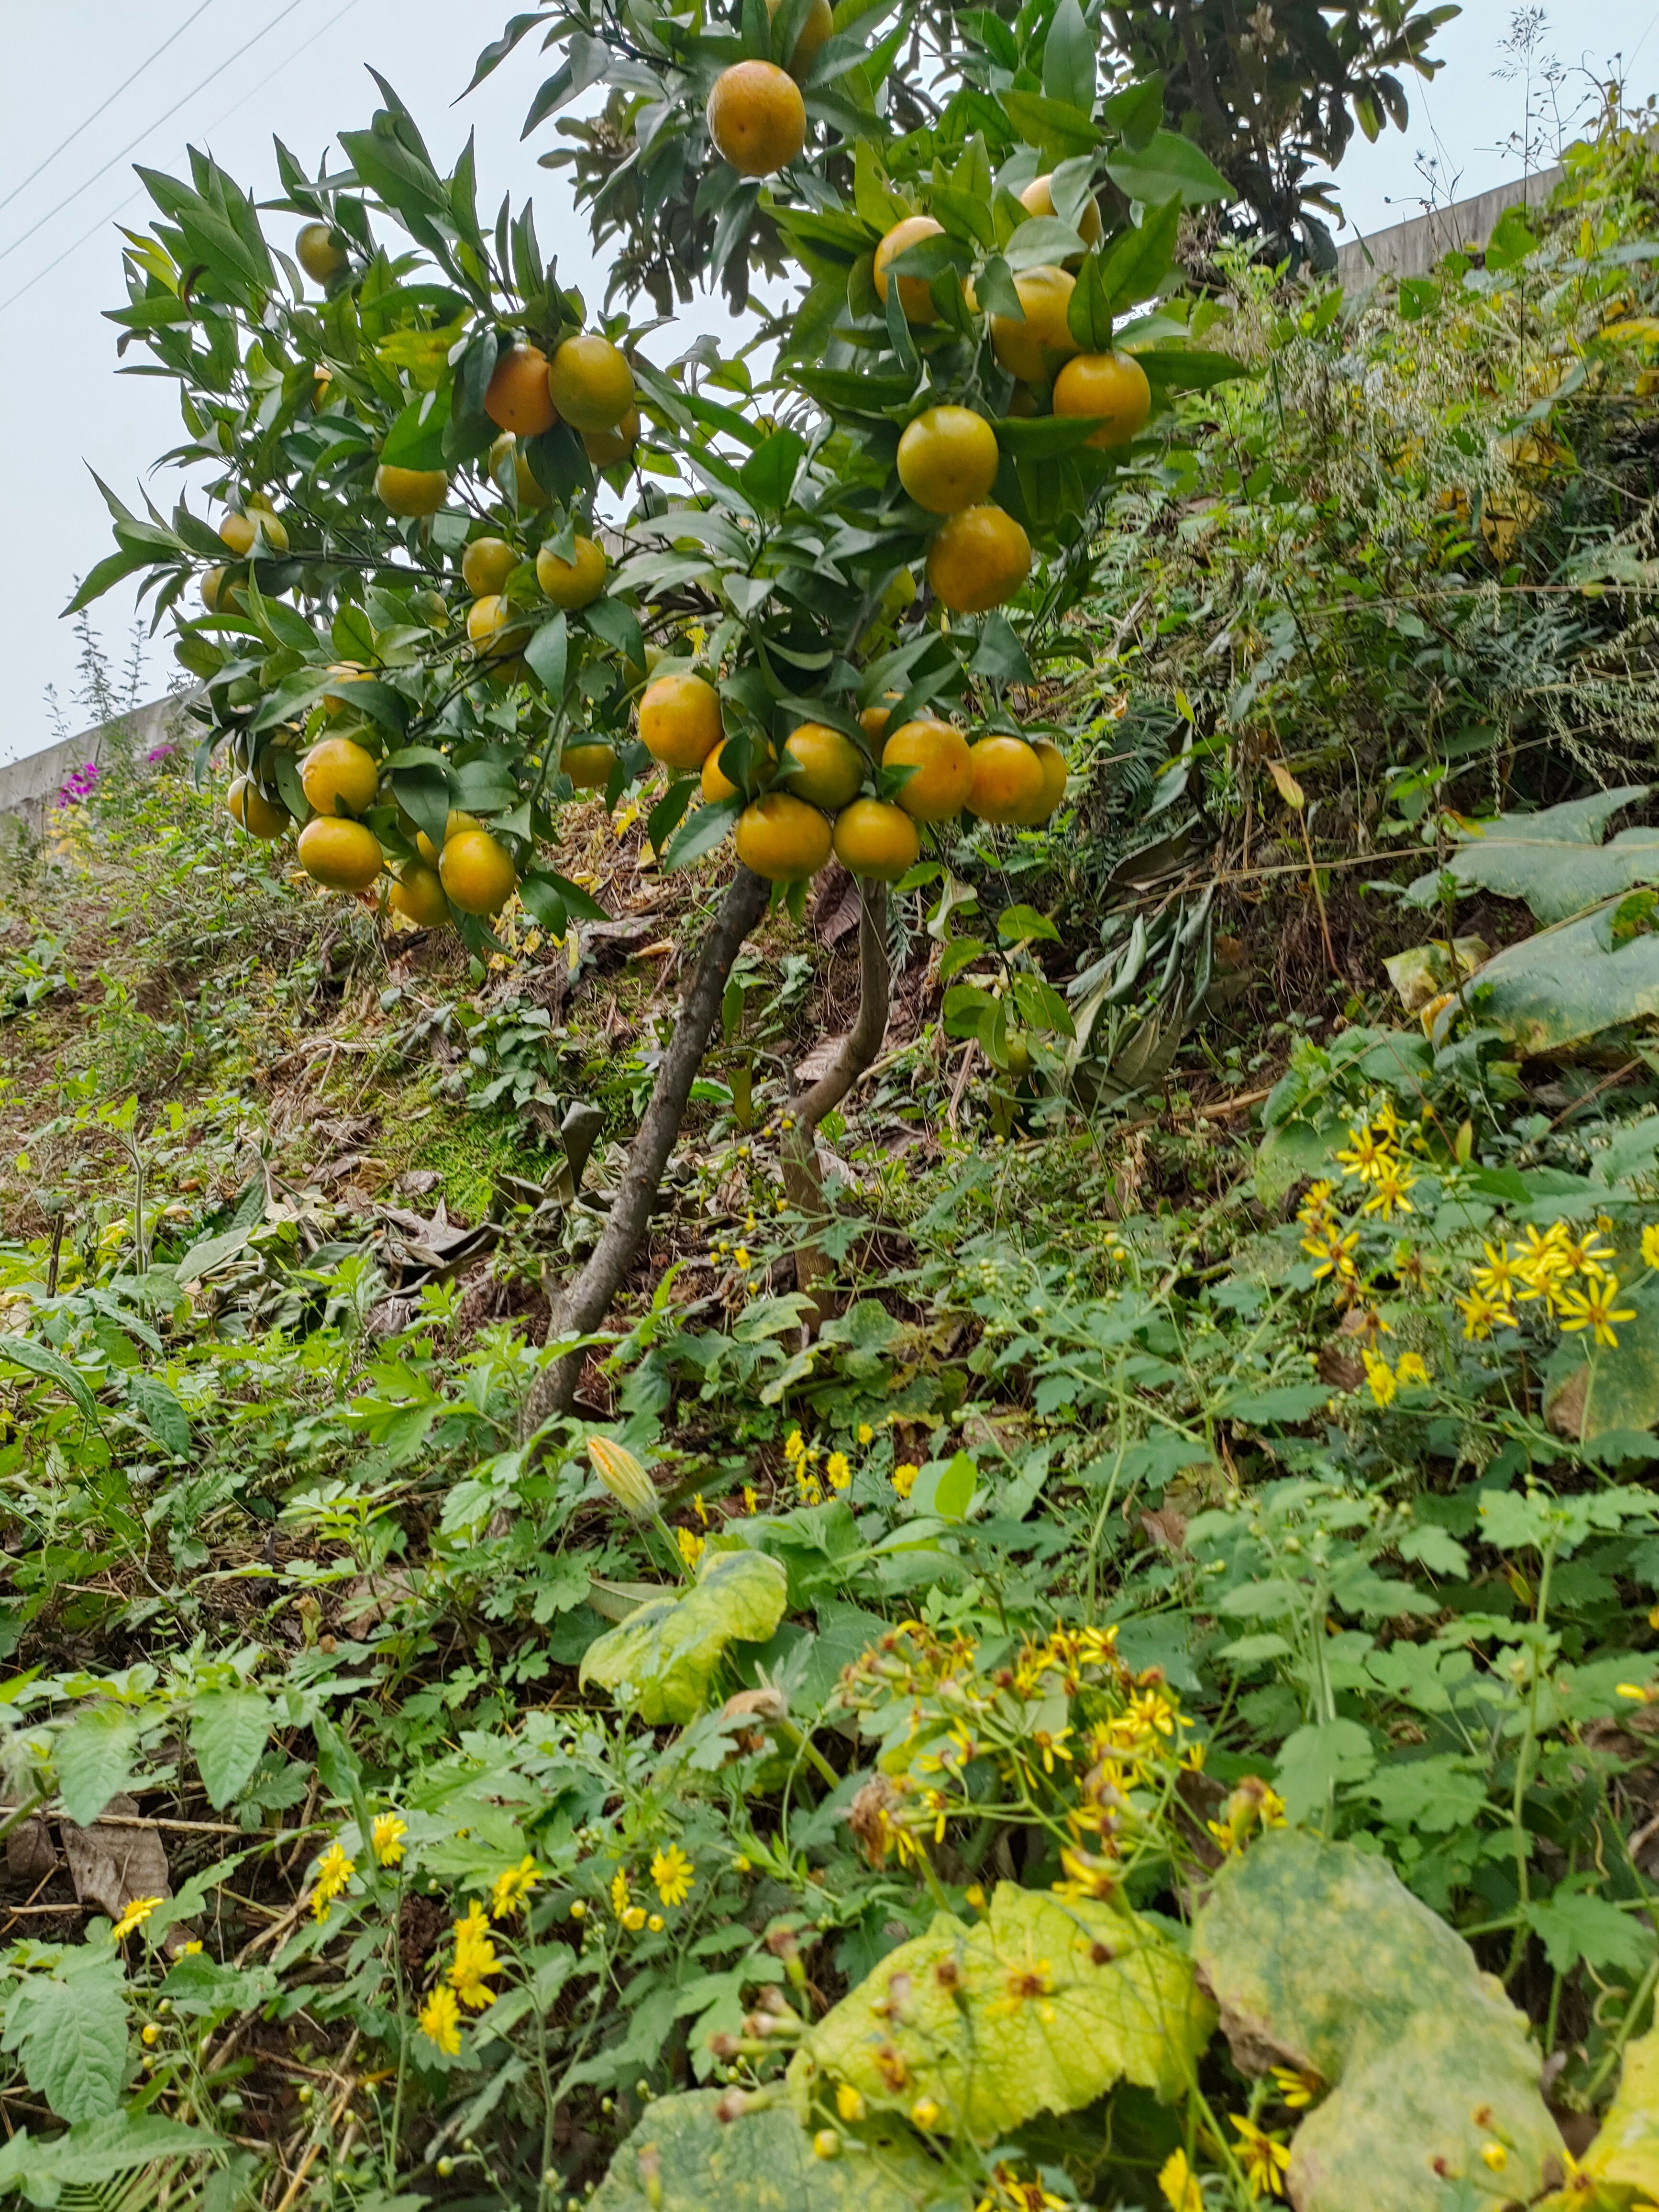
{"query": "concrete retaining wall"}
[(29, 789), (1411, 249)]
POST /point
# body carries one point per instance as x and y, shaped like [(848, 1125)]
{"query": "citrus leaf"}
[(661, 1660), (1041, 2007), (1322, 1959), (1166, 165)]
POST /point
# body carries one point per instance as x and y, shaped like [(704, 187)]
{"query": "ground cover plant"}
[(974, 1531)]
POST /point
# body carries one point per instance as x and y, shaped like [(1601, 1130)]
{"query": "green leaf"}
[(682, 2158), (1621, 1391), (21, 1353), (709, 827), (661, 1660), (1322, 1959), (72, 2030), (1565, 985), (1054, 127), (1137, 260), (1573, 1927), (1040, 2007), (228, 1730), (416, 440), (1188, 368), (549, 655), (995, 290), (1021, 924), (94, 2151), (1068, 59), (1314, 1761), (1555, 860), (163, 1416), (769, 472), (1285, 1155), (93, 1759), (1168, 166)]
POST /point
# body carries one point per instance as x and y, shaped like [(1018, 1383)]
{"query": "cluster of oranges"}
[(805, 805)]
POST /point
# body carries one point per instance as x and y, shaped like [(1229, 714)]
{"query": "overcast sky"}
[(238, 70)]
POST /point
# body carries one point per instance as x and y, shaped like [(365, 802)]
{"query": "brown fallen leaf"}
[(113, 1866)]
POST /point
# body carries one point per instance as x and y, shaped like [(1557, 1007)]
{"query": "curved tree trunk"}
[(586, 1298), (802, 1183)]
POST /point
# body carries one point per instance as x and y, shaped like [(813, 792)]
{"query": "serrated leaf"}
[(73, 2036), (662, 1659), (93, 1759), (1321, 1958), (229, 1730)]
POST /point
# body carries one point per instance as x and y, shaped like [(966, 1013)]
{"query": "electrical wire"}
[(64, 144), (338, 16), (149, 130)]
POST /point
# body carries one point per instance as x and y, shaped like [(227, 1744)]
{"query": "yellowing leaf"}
[(661, 1659), (1289, 789), (1626, 2150), (1322, 1959), (1040, 2007)]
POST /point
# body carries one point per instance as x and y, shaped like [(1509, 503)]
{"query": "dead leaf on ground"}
[(112, 1866)]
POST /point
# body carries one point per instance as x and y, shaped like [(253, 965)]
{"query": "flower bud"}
[(623, 1477)]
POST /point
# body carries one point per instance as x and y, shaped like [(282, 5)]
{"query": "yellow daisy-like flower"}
[(1265, 2157), (850, 2102), (510, 1889), (1367, 1156), (1388, 1192), (905, 1478), (1597, 1309), (672, 1873), (1585, 1253), (135, 1916), (440, 2021), (794, 1447), (1499, 1280), (634, 1919), (1379, 1380), (619, 1897), (865, 1433), (1539, 1262), (700, 1509), (1482, 1315), (385, 1838), (1296, 2089), (750, 1499), (334, 1870), (1335, 1255), (692, 1545), (1178, 2185), (1410, 1369), (1650, 1246), (475, 1960), (838, 1470)]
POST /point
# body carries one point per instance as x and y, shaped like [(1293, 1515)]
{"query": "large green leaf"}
[(1322, 1959), (680, 2158), (72, 2030), (228, 1732), (94, 2151), (661, 1660), (1626, 2153), (1041, 2007), (1554, 860), (1168, 164), (1565, 985)]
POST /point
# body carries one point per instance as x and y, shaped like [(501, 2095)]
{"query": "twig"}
[(1222, 1108), (961, 1084)]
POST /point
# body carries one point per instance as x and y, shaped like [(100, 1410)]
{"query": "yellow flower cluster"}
[(468, 1976), (334, 1870), (802, 1460), (475, 1960), (1383, 1381), (1561, 1269)]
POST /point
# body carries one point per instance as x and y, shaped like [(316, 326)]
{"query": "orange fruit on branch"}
[(589, 766), (493, 627), (518, 399), (1027, 349), (221, 597), (914, 297), (575, 583), (418, 896), (680, 722), (238, 531), (872, 721), (948, 458), (593, 385), (529, 492), (486, 565), (1038, 200), (410, 494), (476, 873), (1052, 762), (315, 251), (783, 838), (1008, 778), (717, 785), (338, 772), (345, 855), (813, 34), (1111, 384), (979, 558), (757, 118), (254, 811), (604, 448), (876, 839), (821, 766), (944, 772)]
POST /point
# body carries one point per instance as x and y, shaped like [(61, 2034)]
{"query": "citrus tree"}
[(414, 648)]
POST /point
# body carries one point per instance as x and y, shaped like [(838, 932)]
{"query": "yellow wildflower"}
[(510, 1889), (1584, 1254), (672, 1872), (692, 1545), (440, 2021), (1179, 2183), (475, 1960), (1410, 1368), (700, 1509), (385, 1838), (1264, 2157), (905, 1478), (750, 1499), (634, 1919), (1500, 1279), (1595, 1307), (838, 1469), (1381, 1380), (334, 1871), (1388, 1191), (619, 1897), (135, 1916), (1650, 1246), (1494, 2157), (867, 1434), (1335, 1255), (1296, 2089), (1367, 1156), (1480, 1316)]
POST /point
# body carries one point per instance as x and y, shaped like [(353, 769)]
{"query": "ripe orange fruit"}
[(477, 874), (493, 627), (1008, 778), (344, 672), (1113, 385), (588, 766), (783, 838), (593, 385), (815, 33), (254, 811), (572, 584), (717, 785), (821, 766), (757, 118), (680, 720), (943, 773), (914, 297), (419, 895), (518, 399), (238, 532), (979, 558), (948, 458), (337, 774), (604, 448), (1038, 198), (221, 597), (1052, 762), (317, 253), (874, 720), (529, 493), (873, 838), (486, 565), (1027, 349), (345, 855), (408, 493)]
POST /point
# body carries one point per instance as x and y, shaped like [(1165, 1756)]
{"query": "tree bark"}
[(802, 1183), (585, 1300)]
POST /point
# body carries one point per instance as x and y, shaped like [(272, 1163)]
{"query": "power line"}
[(149, 130), (322, 31), (64, 144)]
